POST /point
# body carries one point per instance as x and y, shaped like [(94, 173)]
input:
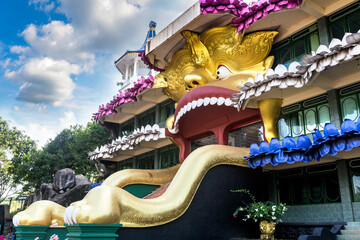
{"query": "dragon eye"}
[(223, 72)]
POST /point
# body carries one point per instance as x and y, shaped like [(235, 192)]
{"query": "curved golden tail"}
[(110, 204), (139, 176)]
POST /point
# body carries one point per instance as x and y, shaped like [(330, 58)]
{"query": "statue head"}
[(217, 57)]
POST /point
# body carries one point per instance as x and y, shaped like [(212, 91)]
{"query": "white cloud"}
[(68, 120), (38, 132), (45, 81), (42, 5), (5, 63), (58, 40), (19, 49)]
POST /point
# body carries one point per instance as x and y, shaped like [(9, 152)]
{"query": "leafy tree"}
[(68, 149), (12, 143)]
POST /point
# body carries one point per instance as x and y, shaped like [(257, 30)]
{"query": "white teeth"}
[(188, 107), (213, 101), (193, 104), (181, 112), (228, 102), (220, 101), (175, 130), (198, 103), (206, 101)]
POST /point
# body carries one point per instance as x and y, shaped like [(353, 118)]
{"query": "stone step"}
[(353, 223), (348, 227), (348, 237), (350, 232)]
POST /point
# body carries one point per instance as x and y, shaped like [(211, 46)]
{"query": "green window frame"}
[(346, 20), (126, 128), (296, 46), (147, 118), (168, 156), (167, 109), (349, 99), (317, 184), (145, 161), (125, 164), (304, 117)]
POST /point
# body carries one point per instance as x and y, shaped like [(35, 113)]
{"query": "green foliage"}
[(12, 143), (268, 211), (69, 149)]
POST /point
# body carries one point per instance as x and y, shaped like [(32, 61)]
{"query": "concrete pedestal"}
[(92, 231), (31, 232)]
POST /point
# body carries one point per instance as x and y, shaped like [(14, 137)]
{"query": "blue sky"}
[(57, 56)]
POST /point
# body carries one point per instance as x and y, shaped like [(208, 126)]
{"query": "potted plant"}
[(268, 214)]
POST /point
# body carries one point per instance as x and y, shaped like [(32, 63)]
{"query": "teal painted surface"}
[(31, 232), (59, 231), (140, 190), (82, 231)]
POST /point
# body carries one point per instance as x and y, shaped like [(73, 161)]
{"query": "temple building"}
[(259, 95), (136, 107), (319, 191)]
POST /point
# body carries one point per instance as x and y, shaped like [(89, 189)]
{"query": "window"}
[(169, 156), (145, 161), (296, 46), (304, 117), (166, 110), (346, 20), (131, 71), (246, 135), (147, 117), (203, 142), (126, 128), (310, 185), (355, 179), (125, 164), (349, 102)]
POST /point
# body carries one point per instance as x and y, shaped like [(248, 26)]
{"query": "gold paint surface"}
[(42, 213), (110, 204), (170, 122), (126, 177), (197, 62), (270, 110), (267, 229)]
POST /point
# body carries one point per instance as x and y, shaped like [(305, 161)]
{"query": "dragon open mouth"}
[(201, 97), (204, 111)]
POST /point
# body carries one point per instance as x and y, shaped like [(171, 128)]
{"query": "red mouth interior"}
[(211, 119)]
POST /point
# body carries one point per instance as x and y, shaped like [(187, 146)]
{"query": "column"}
[(156, 159), (135, 67), (334, 107), (127, 73), (345, 191), (134, 162), (157, 113), (323, 31), (136, 124)]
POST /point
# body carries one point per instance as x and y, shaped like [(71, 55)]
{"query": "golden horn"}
[(270, 111), (199, 52)]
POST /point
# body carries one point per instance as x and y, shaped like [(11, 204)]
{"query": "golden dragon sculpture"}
[(218, 57)]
